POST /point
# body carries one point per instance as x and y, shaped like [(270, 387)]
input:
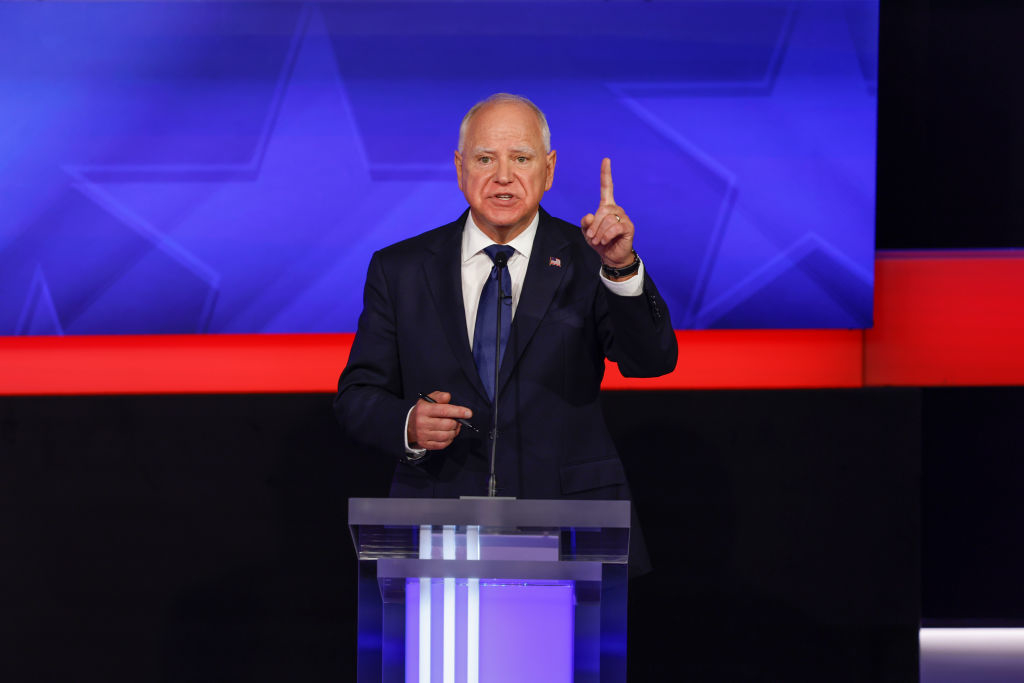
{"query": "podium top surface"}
[(556, 530), (489, 512)]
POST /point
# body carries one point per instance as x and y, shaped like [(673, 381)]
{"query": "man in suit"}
[(577, 296)]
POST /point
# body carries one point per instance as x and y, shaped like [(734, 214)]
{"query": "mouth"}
[(503, 196)]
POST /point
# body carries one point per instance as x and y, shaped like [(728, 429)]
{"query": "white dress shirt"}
[(476, 267)]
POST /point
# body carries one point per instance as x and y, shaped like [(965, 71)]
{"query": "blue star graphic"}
[(792, 152), (281, 242)]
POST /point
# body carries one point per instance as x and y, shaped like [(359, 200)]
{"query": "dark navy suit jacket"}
[(552, 441)]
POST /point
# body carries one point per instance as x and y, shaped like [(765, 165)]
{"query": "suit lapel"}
[(539, 287), (443, 274)]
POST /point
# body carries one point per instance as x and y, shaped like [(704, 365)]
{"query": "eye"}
[(522, 159), (484, 160)]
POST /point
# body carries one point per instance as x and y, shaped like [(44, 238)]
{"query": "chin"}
[(505, 219)]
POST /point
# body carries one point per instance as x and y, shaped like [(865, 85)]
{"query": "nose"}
[(503, 175)]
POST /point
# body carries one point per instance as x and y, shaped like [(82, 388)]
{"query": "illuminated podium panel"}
[(464, 591)]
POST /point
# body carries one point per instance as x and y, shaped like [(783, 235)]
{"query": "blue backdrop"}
[(230, 167)]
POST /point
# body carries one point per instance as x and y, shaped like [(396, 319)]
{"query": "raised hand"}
[(432, 425), (608, 230)]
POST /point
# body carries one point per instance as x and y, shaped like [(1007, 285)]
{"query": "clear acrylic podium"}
[(491, 590)]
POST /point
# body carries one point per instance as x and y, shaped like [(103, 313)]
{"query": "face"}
[(503, 169)]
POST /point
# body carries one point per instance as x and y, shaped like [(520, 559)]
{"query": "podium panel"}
[(462, 591)]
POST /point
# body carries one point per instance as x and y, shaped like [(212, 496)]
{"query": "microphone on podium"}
[(500, 262)]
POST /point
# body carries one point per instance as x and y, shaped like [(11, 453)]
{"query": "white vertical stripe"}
[(473, 609), (473, 632), (424, 656), (448, 553), (449, 631), (424, 630), (448, 542)]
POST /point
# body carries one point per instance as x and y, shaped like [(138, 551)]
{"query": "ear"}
[(458, 169), (550, 164)]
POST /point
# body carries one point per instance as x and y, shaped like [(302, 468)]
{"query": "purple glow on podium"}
[(525, 632)]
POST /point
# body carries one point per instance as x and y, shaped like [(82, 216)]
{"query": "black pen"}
[(461, 421)]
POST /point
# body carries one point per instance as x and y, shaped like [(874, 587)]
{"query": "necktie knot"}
[(496, 249)]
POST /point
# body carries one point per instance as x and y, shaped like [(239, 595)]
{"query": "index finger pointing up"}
[(606, 182)]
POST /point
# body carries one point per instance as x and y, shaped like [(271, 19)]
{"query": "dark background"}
[(203, 538), (796, 535), (950, 140)]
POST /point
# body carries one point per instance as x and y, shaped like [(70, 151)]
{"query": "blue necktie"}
[(486, 325)]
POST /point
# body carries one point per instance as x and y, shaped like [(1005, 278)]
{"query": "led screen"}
[(230, 167)]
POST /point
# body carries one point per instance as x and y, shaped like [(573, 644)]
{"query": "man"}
[(430, 326)]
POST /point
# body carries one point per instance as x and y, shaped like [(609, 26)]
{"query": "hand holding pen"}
[(435, 422)]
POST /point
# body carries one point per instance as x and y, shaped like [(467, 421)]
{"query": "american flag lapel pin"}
[(554, 261)]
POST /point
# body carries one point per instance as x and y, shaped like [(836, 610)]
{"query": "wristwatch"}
[(624, 271)]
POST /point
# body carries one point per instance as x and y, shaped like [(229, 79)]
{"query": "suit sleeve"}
[(368, 405), (637, 331)]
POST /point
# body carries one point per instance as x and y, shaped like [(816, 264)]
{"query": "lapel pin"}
[(553, 261)]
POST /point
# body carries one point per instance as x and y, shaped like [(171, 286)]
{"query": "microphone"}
[(500, 262)]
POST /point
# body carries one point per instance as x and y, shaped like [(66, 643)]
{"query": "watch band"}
[(624, 271)]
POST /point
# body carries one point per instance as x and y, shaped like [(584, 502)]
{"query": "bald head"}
[(502, 98)]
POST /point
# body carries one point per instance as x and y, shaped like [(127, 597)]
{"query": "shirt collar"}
[(474, 240)]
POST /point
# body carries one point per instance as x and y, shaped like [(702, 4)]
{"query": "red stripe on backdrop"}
[(941, 318), (172, 364), (947, 318), (757, 359)]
